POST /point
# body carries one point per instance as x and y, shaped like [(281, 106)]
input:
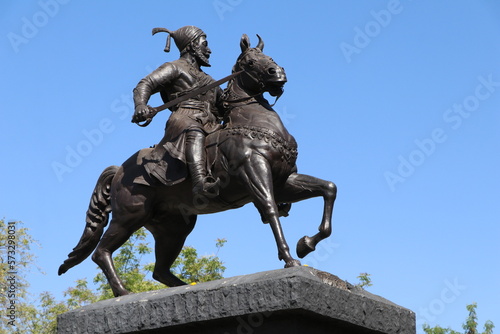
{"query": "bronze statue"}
[(252, 155)]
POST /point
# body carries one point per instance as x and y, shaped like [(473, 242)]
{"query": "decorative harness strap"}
[(287, 149)]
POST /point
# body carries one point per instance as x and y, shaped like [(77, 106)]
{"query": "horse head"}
[(260, 72)]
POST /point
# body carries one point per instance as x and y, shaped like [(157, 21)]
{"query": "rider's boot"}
[(196, 158)]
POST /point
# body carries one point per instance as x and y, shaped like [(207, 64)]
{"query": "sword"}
[(185, 97)]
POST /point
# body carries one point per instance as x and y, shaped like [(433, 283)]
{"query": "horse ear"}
[(244, 43), (260, 46)]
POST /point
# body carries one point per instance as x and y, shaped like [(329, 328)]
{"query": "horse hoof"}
[(305, 246), (293, 263), (122, 293), (169, 279)]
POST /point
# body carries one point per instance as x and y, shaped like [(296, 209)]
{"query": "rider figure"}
[(192, 119)]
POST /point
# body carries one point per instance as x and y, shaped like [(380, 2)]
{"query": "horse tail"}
[(96, 220)]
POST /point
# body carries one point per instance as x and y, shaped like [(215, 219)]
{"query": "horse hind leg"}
[(170, 234), (300, 187), (118, 232)]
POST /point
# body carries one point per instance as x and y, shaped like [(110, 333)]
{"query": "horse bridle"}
[(259, 80)]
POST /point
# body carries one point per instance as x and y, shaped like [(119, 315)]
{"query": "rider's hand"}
[(141, 113)]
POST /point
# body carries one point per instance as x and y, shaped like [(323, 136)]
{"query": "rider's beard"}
[(202, 60)]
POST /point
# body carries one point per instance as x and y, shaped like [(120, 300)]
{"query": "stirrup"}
[(209, 187)]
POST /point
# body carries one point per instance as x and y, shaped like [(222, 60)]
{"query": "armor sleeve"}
[(154, 82)]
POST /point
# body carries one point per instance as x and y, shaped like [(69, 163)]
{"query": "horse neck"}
[(252, 110), (237, 92)]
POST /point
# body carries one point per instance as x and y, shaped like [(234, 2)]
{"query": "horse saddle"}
[(160, 167)]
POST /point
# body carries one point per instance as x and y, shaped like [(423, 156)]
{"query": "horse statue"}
[(253, 155)]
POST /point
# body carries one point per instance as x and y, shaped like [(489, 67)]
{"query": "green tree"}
[(192, 268), (364, 280), (17, 259), (40, 317), (470, 325)]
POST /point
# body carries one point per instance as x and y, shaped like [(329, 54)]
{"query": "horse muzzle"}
[(276, 81)]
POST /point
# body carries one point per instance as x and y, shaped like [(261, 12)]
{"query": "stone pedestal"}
[(294, 300)]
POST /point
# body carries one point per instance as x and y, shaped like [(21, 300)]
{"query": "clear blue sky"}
[(397, 102)]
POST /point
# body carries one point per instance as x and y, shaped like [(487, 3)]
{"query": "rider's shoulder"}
[(177, 68), (178, 64), (166, 71), (170, 66)]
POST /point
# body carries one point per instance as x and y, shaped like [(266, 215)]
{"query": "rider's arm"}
[(151, 84)]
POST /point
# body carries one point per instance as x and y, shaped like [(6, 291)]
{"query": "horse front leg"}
[(299, 187), (258, 177)]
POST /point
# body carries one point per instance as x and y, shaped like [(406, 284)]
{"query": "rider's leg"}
[(196, 158)]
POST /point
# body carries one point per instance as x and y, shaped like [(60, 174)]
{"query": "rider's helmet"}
[(182, 36)]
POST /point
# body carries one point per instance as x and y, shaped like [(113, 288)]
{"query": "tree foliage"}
[(470, 325), (192, 268), (364, 280), (17, 259)]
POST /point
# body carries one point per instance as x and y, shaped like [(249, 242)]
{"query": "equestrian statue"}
[(221, 150)]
